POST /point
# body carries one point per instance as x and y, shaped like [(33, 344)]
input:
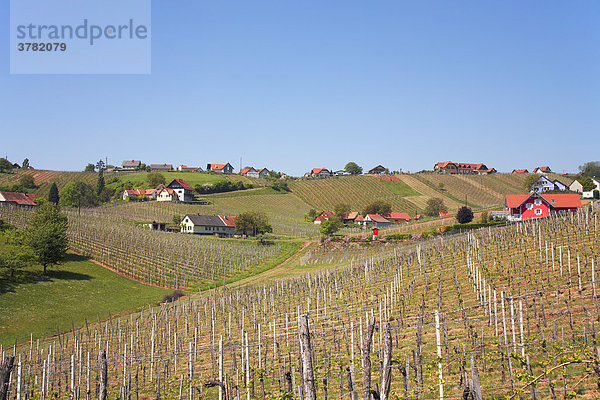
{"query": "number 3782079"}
[(42, 46)]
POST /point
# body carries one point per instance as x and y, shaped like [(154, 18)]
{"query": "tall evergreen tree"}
[(100, 182), (25, 164), (53, 196)]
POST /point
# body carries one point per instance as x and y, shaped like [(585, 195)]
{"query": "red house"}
[(523, 207)]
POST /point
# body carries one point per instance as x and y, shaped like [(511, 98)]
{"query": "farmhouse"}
[(19, 199), (445, 213), (208, 225), (523, 207), (397, 217), (542, 170), (351, 217), (220, 168), (325, 215), (590, 194), (544, 184), (377, 220), (378, 170), (450, 167), (138, 193), (520, 171), (183, 189), (318, 173), (254, 173), (131, 164), (161, 167), (576, 186), (166, 194)]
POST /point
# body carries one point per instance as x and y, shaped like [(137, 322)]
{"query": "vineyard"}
[(508, 312), (43, 179), (156, 258), (356, 191)]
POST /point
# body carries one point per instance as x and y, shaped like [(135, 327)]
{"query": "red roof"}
[(318, 170), (559, 200), (398, 215), (245, 170), (229, 221), (418, 216), (520, 171), (445, 213), (444, 164), (359, 218), (217, 166), (351, 215), (543, 169), (22, 199), (185, 185), (377, 218)]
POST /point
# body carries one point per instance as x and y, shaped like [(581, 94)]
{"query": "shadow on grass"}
[(36, 275)]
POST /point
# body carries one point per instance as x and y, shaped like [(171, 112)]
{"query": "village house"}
[(544, 184), (445, 213), (576, 186), (542, 170), (377, 221), (208, 225), (397, 217), (185, 168), (520, 171), (131, 164), (521, 207), (183, 190), (166, 194), (220, 168), (378, 170), (450, 167), (254, 173), (137, 194), (18, 199), (590, 194), (318, 173), (161, 167), (324, 216), (350, 218)]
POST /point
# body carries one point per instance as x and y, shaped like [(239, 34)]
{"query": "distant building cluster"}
[(449, 167)]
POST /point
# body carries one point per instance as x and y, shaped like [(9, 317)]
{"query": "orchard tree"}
[(353, 168), (5, 165), (78, 194), (90, 168), (155, 178), (27, 182), (46, 235), (330, 226), (434, 206), (17, 255), (378, 207), (464, 215), (311, 215), (53, 196), (253, 222)]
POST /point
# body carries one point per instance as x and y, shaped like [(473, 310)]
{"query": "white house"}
[(221, 168), (544, 185), (576, 186), (183, 190), (208, 225), (189, 169), (542, 170), (590, 194), (318, 173), (254, 173), (131, 164), (166, 194), (137, 193)]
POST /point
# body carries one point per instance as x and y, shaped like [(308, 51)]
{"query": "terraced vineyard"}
[(357, 191), (43, 179), (500, 313)]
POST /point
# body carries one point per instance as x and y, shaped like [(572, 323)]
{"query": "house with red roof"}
[(445, 213), (185, 168), (254, 173), (324, 216), (542, 170), (318, 173), (17, 199), (220, 168), (397, 217), (377, 220), (449, 167), (520, 171), (522, 207), (182, 189), (208, 225), (166, 194), (139, 194)]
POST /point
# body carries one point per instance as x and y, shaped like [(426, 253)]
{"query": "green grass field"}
[(193, 178), (73, 292)]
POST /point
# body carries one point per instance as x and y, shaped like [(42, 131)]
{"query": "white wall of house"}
[(164, 196)]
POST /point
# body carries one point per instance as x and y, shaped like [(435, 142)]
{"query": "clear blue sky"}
[(292, 85)]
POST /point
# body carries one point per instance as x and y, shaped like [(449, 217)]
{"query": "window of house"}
[(538, 211), (529, 206), (538, 202)]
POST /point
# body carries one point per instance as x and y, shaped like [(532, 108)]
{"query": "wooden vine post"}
[(306, 353)]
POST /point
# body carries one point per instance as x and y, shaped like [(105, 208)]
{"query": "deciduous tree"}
[(5, 165), (353, 168), (78, 194), (252, 222), (378, 207), (46, 235), (434, 206), (464, 215), (155, 178)]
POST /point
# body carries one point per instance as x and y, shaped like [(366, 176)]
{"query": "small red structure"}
[(375, 233), (522, 207)]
